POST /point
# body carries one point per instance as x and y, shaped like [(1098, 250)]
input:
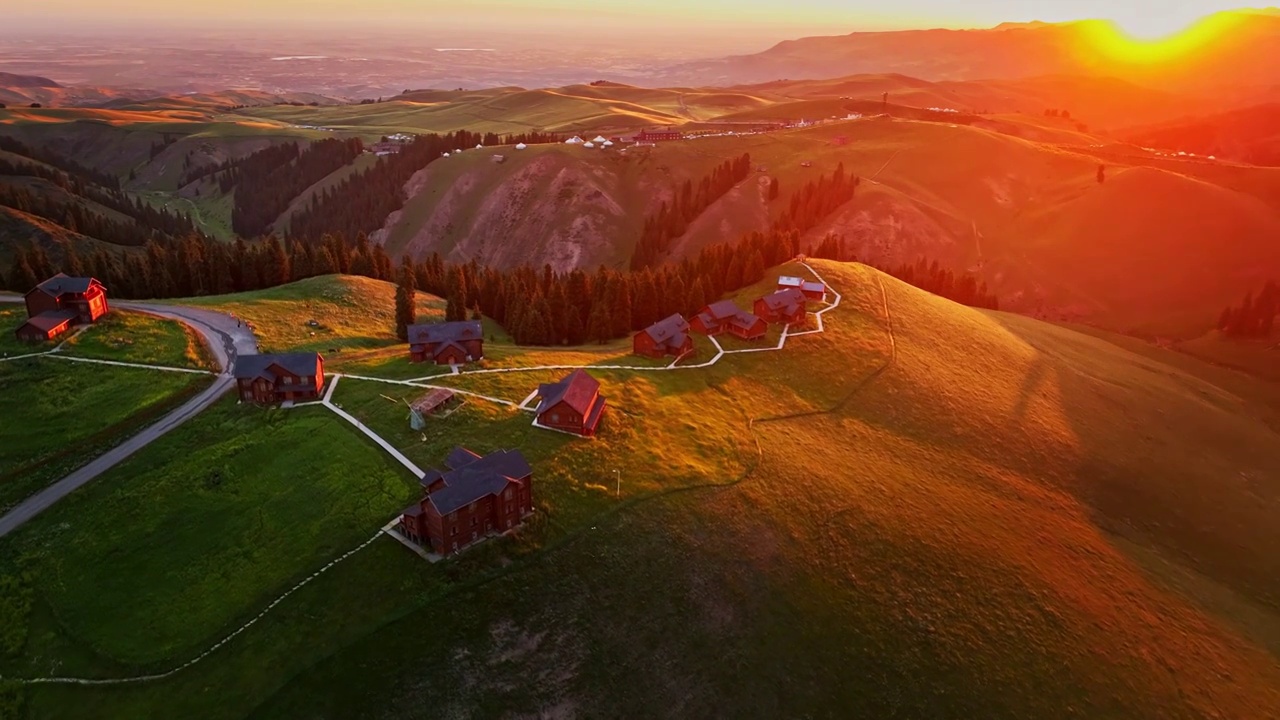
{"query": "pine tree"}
[(697, 297), (598, 326), (21, 277), (773, 189), (405, 310), (1102, 174)]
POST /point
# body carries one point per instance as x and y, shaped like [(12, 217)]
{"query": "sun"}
[(1154, 27), (1138, 37)]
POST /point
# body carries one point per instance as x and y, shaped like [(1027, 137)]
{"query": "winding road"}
[(227, 339)]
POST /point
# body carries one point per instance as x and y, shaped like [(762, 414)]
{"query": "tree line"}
[(264, 190), (67, 165), (543, 307), (672, 219), (811, 204), (963, 288), (1255, 316)]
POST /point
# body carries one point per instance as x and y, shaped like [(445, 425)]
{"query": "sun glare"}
[(1152, 38)]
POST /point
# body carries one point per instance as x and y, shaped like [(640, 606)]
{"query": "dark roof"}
[(744, 320), (60, 284), (480, 477), (789, 299), (413, 510), (458, 457), (671, 332), (300, 364), (722, 310), (430, 333), (47, 321), (577, 389)]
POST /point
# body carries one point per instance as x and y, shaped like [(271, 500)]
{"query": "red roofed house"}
[(447, 343), (812, 290), (475, 498), (573, 405), (279, 378), (60, 302), (659, 135), (669, 336), (725, 316), (784, 306)]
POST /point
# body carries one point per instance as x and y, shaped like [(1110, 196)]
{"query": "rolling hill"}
[(1010, 198), (930, 511), (1250, 135), (1239, 45)]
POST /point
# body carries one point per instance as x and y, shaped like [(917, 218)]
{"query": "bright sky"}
[(776, 19)]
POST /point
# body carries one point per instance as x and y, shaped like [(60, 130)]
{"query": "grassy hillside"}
[(137, 337), (576, 108), (1085, 533), (1014, 199), (349, 312), (72, 412)]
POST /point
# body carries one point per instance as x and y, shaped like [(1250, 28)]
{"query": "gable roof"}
[(458, 457), (722, 310), (745, 320), (670, 332), (60, 284), (788, 281), (46, 321), (577, 389), (300, 364), (789, 299), (458, 330), (810, 286), (481, 476)]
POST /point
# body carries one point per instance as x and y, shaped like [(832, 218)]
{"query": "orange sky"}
[(753, 18)]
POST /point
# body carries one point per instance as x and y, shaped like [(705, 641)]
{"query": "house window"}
[(453, 530), (507, 493), (473, 522), (555, 417)]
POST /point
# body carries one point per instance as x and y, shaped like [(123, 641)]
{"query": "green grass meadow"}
[(58, 415), (926, 511), (141, 338)]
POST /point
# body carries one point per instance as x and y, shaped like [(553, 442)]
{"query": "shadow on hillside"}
[(1171, 470)]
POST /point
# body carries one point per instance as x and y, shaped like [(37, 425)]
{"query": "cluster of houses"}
[(59, 303), (785, 306)]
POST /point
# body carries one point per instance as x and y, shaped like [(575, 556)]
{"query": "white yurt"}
[(479, 146), (600, 139), (607, 143), (575, 140), (444, 155), (521, 146), (588, 144)]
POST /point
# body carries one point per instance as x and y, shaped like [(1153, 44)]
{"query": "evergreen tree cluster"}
[(927, 275), (672, 219), (811, 204), (362, 202), (265, 188), (145, 221), (550, 308), (196, 265), (71, 167), (1255, 316)]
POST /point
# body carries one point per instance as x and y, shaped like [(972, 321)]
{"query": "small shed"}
[(426, 405)]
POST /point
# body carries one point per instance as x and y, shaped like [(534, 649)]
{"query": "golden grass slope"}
[(953, 513)]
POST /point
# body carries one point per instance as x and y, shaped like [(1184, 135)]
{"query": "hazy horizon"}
[(737, 24)]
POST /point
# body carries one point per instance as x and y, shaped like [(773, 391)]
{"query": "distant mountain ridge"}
[(1244, 46), (26, 81)]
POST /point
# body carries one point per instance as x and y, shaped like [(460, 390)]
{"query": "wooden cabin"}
[(62, 302), (574, 404), (447, 343), (725, 316), (475, 498), (669, 336), (812, 290), (285, 377), (784, 306)]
